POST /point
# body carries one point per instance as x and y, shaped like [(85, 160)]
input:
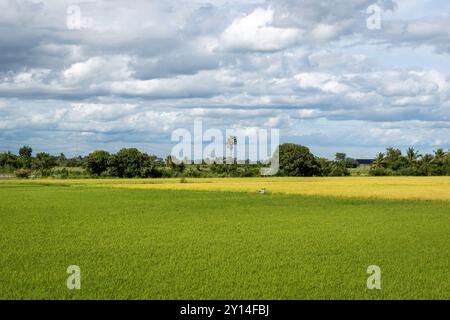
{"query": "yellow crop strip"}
[(425, 188)]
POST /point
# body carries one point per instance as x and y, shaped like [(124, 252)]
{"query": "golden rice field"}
[(424, 188)]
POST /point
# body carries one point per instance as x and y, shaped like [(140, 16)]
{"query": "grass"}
[(170, 244), (362, 170)]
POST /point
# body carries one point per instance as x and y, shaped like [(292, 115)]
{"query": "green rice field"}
[(138, 243)]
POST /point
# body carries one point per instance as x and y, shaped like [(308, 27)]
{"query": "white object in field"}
[(262, 190)]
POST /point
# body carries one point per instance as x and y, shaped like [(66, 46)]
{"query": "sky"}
[(129, 73)]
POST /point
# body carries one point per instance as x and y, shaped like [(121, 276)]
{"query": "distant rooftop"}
[(364, 161)]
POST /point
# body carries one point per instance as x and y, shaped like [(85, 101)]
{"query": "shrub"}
[(60, 173), (339, 169), (380, 172), (192, 171), (23, 173), (44, 163), (151, 172), (408, 171)]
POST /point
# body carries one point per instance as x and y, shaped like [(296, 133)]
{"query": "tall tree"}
[(25, 152), (379, 161), (127, 163), (97, 162), (340, 157), (297, 160), (439, 156), (8, 160), (412, 155), (62, 160), (24, 160), (43, 163), (392, 156)]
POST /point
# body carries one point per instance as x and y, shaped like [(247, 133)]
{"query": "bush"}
[(60, 173), (151, 172), (380, 172), (183, 180), (192, 171), (23, 173), (339, 169), (167, 172), (408, 171), (44, 163), (8, 161), (438, 171)]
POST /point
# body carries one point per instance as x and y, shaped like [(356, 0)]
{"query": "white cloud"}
[(32, 76), (255, 32), (324, 32), (81, 70), (103, 68), (321, 81), (151, 66)]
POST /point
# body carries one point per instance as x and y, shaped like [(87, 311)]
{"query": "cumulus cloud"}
[(135, 71), (256, 32)]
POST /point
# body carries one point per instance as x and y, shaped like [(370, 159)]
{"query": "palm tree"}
[(392, 156), (412, 155), (425, 164), (379, 161), (439, 156), (426, 159)]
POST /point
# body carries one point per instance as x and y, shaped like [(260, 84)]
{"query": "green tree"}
[(152, 167), (170, 161), (297, 160), (127, 163), (438, 164), (44, 163), (379, 161), (340, 157), (62, 160), (23, 173), (425, 165), (97, 162), (333, 168), (394, 159), (74, 162), (447, 163), (25, 160), (412, 155), (439, 157), (25, 152), (339, 169), (346, 161), (8, 161)]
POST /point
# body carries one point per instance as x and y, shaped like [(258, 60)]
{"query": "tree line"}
[(393, 162), (294, 160)]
